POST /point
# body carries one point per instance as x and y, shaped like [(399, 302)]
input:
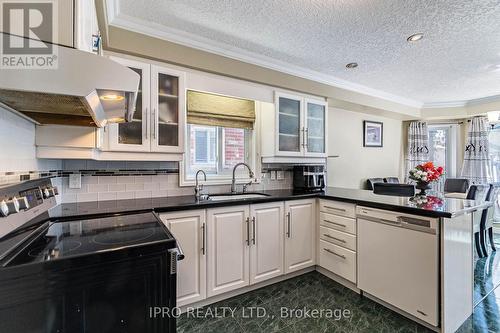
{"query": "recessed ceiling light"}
[(352, 65), (415, 37)]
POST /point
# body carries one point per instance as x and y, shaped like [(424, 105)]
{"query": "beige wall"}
[(355, 162)]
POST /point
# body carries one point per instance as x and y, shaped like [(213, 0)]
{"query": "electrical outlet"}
[(273, 175), (280, 175), (75, 180)]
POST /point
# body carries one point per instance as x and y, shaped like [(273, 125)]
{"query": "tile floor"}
[(312, 291), (315, 291), (486, 272)]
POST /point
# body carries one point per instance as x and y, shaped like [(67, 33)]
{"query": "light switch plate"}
[(273, 175), (75, 180), (280, 175)]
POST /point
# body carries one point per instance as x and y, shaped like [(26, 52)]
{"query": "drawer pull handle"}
[(422, 313), (338, 255), (335, 208), (339, 224), (335, 238)]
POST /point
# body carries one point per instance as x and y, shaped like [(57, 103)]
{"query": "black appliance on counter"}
[(99, 274), (308, 178)]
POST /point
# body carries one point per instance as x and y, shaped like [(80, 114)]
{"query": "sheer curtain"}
[(418, 145), (477, 163)]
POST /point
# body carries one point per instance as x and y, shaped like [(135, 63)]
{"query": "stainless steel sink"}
[(238, 196)]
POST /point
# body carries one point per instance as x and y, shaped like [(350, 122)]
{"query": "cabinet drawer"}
[(338, 238), (338, 260), (338, 208), (341, 223)]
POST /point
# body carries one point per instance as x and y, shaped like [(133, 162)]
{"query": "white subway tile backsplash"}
[(143, 194), (83, 197), (152, 186), (117, 187), (97, 188), (90, 180), (125, 179), (143, 179), (125, 195), (135, 187), (107, 196), (107, 179)]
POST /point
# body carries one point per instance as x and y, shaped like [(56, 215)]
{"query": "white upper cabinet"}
[(290, 125), (86, 29), (294, 129), (315, 132), (168, 100), (159, 119), (134, 135)]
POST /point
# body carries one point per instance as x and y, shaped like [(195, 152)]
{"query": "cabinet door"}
[(300, 231), (134, 135), (188, 229), (228, 232), (315, 128), (289, 122), (266, 247), (168, 104)]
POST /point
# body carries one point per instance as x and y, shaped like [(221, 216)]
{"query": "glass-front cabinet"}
[(300, 126), (168, 100), (315, 127), (158, 122), (133, 136)]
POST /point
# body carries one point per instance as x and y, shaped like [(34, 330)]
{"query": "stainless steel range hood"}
[(84, 90)]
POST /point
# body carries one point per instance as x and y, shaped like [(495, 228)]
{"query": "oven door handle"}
[(178, 250)]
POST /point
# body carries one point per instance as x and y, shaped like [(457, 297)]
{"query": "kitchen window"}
[(216, 150)]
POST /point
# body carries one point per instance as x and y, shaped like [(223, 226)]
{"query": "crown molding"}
[(464, 103)]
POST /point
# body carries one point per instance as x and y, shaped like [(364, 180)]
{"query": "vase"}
[(422, 186)]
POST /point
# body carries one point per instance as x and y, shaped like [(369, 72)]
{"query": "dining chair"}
[(403, 190), (371, 181), (456, 185), (480, 192), (392, 180), (486, 225)]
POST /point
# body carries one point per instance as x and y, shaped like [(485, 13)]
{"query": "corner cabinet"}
[(158, 123), (299, 127)]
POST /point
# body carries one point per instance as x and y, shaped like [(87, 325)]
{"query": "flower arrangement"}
[(424, 174)]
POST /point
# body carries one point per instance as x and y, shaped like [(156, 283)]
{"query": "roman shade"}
[(216, 110)]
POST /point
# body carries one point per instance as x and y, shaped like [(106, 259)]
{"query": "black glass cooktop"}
[(62, 240)]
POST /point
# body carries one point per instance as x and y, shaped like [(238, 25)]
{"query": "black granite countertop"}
[(431, 205)]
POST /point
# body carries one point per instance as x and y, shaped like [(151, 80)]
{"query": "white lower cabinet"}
[(188, 227), (266, 250), (300, 234), (228, 230)]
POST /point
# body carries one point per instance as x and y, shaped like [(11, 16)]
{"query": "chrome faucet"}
[(199, 187), (233, 183)]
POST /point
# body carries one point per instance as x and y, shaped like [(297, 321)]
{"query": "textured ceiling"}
[(458, 59)]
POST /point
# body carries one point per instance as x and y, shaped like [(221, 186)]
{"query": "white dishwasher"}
[(398, 261)]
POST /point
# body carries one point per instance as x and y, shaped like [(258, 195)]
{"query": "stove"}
[(99, 274), (68, 239)]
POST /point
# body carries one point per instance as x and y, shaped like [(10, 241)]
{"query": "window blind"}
[(216, 110)]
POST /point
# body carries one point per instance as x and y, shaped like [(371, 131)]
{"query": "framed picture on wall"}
[(373, 134)]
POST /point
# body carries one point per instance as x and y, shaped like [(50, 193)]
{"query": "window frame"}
[(451, 170), (253, 151)]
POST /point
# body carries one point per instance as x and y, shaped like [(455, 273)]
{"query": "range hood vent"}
[(74, 93)]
